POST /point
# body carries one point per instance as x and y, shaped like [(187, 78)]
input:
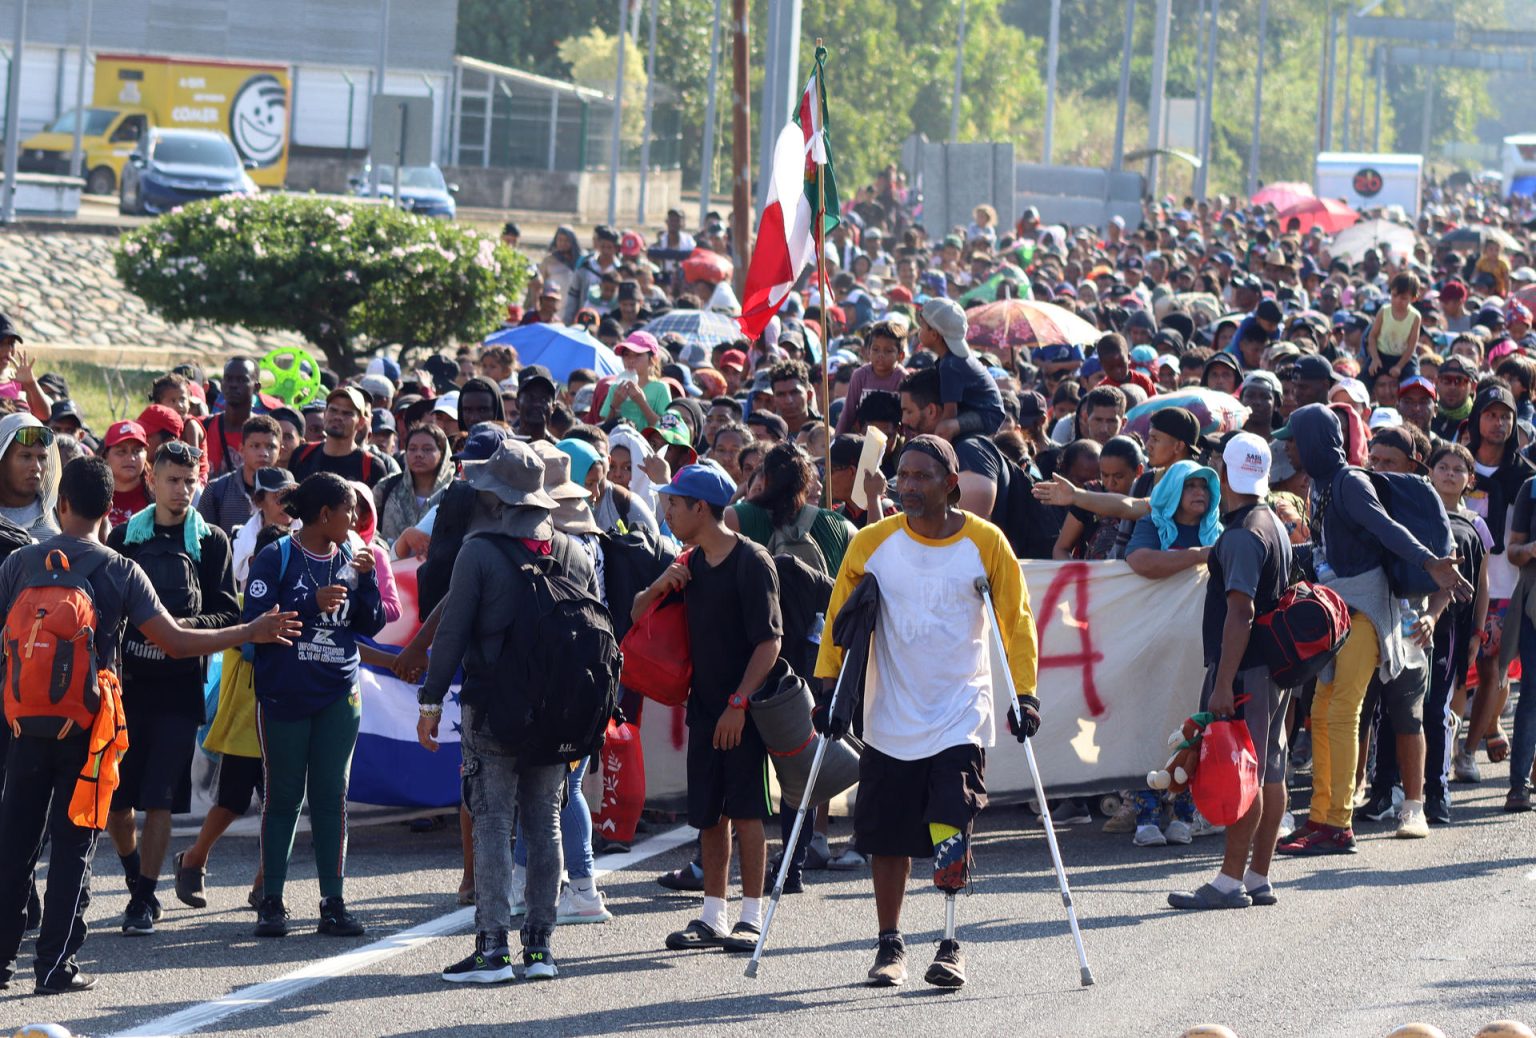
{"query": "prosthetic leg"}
[(951, 871)]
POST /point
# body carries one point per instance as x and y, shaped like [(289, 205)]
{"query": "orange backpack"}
[(50, 648)]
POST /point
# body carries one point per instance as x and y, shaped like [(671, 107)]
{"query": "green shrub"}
[(348, 277)]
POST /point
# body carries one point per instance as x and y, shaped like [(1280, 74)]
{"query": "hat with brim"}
[(514, 475), (572, 513)]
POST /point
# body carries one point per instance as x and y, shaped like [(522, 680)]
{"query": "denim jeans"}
[(1523, 750), (497, 788), (575, 828)]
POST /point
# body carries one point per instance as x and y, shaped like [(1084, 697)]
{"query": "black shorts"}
[(156, 772), (899, 798), (726, 783), (239, 779), (1402, 699)]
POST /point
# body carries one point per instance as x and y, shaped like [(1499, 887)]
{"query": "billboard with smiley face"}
[(247, 102)]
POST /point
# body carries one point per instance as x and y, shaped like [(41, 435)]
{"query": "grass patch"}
[(104, 393)]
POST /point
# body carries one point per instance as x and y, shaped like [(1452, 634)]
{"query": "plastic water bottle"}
[(1410, 618), (1325, 572), (347, 575)]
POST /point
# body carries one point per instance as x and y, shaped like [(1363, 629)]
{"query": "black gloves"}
[(1026, 722), (823, 720)]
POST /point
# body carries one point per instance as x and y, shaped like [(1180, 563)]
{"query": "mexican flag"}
[(799, 181)]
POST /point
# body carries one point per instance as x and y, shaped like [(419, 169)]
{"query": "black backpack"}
[(564, 668), (1032, 527), (1414, 504), (174, 576)]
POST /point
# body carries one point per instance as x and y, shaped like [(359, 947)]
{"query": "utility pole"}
[(1208, 124), (1429, 112), (954, 109), (1331, 44), (1258, 100), (616, 143), (741, 146), (1124, 97), (378, 89), (1381, 85), (77, 156), (707, 162), (1052, 52), (13, 115), (1155, 102), (1349, 79), (781, 63), (645, 140)]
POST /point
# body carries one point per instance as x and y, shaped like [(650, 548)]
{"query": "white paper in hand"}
[(869, 461)]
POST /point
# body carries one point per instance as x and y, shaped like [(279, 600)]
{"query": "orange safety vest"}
[(92, 799)]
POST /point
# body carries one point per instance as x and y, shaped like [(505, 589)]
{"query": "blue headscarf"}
[(583, 457), (1165, 503)]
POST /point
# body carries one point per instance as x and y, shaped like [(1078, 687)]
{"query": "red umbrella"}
[(1282, 194), (1026, 322), (1330, 214)]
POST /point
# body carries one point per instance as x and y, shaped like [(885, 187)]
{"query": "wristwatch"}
[(737, 701)]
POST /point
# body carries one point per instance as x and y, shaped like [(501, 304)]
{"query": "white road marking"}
[(195, 1018)]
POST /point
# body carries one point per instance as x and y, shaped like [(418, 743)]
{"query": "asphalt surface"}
[(1435, 930)]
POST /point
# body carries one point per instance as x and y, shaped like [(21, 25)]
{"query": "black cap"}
[(1495, 395), (8, 329), (846, 450), (1179, 423), (534, 373), (65, 409), (1456, 364), (1311, 365), (1168, 341), (770, 421), (1032, 406), (270, 478), (383, 421)]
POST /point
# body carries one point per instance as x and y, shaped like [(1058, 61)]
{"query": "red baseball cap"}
[(157, 418), (899, 294), (1421, 383), (733, 359), (122, 432)]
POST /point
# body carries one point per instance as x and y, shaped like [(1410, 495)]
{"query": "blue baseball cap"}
[(1057, 352), (706, 483), (483, 442)]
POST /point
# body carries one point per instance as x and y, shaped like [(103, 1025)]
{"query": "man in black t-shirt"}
[(731, 590), (1250, 566), (346, 410), (983, 469)]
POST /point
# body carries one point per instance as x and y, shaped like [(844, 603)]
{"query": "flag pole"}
[(827, 301)]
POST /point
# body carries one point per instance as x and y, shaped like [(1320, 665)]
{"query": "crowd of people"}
[(734, 475)]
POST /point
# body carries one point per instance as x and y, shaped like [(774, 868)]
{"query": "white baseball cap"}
[(1246, 460)]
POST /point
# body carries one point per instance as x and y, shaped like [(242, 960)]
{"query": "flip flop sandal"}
[(1497, 747)]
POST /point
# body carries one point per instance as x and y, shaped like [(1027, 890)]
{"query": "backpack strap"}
[(284, 552)]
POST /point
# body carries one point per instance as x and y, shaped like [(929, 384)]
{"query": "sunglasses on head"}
[(180, 451), (35, 435)]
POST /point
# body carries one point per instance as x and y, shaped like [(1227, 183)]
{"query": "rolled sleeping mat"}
[(781, 709)]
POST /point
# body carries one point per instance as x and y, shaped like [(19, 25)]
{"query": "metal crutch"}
[(794, 832), (985, 589)]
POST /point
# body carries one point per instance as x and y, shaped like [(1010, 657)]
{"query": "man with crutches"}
[(929, 691)]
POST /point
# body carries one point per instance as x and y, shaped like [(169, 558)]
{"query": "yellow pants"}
[(1336, 724)]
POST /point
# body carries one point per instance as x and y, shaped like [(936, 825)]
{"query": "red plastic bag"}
[(657, 662), (1226, 781), (623, 775)]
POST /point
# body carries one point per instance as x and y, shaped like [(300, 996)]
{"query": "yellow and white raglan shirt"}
[(929, 685)]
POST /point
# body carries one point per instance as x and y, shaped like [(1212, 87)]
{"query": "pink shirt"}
[(862, 382)]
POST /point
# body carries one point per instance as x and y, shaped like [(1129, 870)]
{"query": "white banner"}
[(1120, 669)]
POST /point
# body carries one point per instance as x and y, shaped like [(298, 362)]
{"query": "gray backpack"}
[(795, 540)]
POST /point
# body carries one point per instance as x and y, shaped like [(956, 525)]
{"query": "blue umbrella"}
[(560, 349)]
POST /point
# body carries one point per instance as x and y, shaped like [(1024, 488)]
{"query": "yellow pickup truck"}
[(135, 93)]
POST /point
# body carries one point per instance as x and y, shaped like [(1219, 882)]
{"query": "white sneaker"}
[(1149, 836), (1202, 827), (1465, 768), (1411, 823), (1179, 831), (519, 899), (576, 906)]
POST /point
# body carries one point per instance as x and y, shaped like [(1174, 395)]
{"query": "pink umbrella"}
[(1330, 214), (1282, 194)]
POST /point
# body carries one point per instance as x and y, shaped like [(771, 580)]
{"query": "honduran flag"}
[(800, 183), (390, 767)]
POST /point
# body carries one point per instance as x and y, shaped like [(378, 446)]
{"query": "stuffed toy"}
[(1175, 776)]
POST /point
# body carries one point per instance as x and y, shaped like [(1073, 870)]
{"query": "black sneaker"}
[(77, 982), (690, 878), (491, 962), (538, 963), (336, 921), (948, 969), (890, 967), (189, 883), (1437, 809), (794, 882), (272, 918), (1379, 808), (138, 920)]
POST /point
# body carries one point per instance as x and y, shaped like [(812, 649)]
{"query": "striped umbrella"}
[(703, 328)]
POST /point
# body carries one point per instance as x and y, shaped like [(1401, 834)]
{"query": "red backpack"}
[(1303, 633), (50, 648)]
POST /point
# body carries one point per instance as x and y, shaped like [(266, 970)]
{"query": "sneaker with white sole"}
[(848, 861), (576, 906), (1411, 822), (1201, 826), (1149, 836), (1464, 768), (489, 963), (1179, 831), (538, 963)]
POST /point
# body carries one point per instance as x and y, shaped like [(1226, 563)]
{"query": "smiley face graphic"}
[(258, 119)]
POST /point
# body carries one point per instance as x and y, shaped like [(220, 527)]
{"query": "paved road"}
[(1433, 930)]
